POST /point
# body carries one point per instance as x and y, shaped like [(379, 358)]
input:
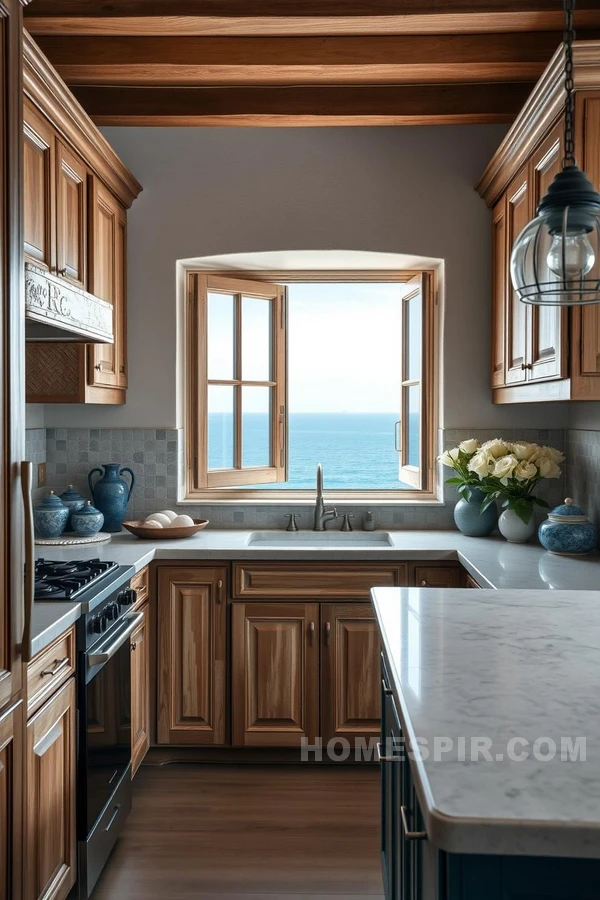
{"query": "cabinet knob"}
[(327, 631), (424, 583), (525, 366), (62, 272), (311, 631), (133, 646), (219, 591)]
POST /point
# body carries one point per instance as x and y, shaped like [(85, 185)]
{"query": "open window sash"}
[(237, 347), (412, 431)]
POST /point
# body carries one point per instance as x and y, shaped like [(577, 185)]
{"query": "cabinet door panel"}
[(275, 673), (38, 186), (517, 315), (438, 576), (192, 616), (140, 693), (350, 683), (50, 846), (500, 282), (548, 354), (10, 800), (71, 216), (107, 362)]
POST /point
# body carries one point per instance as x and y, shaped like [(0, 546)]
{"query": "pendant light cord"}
[(568, 38)]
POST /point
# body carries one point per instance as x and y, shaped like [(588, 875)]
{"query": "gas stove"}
[(88, 582)]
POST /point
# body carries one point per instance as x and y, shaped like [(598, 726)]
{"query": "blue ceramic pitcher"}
[(111, 494)]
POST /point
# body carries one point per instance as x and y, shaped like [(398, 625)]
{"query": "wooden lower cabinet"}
[(350, 681), (275, 673), (50, 837), (140, 691), (11, 730), (437, 576), (192, 645)]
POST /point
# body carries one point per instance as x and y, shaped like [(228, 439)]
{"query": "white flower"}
[(525, 451), (547, 467), (482, 463), (504, 467), (469, 447), (525, 471), (496, 447), (449, 457), (555, 455)]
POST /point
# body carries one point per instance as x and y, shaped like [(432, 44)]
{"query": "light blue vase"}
[(469, 518), (111, 494), (87, 521)]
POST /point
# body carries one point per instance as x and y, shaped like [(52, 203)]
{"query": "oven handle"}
[(104, 653)]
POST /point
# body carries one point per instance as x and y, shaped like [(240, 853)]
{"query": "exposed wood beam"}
[(311, 17), (296, 60), (314, 105)]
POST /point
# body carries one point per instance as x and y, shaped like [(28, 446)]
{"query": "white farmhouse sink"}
[(306, 539)]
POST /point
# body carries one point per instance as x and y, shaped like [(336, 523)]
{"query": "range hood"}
[(58, 311)]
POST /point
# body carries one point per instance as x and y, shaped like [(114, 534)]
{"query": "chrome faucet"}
[(322, 515)]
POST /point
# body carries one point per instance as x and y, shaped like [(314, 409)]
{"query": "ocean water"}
[(356, 449)]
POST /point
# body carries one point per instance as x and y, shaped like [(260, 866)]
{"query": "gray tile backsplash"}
[(156, 457), (35, 452), (583, 471)]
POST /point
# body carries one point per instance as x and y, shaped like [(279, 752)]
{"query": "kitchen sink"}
[(337, 539)]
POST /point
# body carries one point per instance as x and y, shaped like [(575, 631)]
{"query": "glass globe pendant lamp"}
[(555, 260)]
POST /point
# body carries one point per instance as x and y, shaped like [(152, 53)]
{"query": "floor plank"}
[(212, 832)]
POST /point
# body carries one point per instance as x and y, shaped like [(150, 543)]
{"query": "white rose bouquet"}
[(503, 470)]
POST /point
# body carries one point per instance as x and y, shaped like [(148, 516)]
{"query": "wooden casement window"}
[(236, 372), (237, 353)]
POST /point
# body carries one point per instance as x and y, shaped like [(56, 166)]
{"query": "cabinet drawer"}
[(49, 669), (437, 576), (314, 580), (141, 583)]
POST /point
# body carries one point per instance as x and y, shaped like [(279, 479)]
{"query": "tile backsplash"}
[(35, 452), (583, 471), (156, 457)]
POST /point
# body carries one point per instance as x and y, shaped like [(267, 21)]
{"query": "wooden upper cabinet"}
[(499, 292), (39, 189), (107, 362), (518, 214), (50, 837), (351, 677), (548, 325), (140, 692), (71, 216), (275, 673), (192, 643)]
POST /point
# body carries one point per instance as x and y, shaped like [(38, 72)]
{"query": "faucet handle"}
[(346, 524), (292, 524)]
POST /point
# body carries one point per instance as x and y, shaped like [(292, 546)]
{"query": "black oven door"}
[(105, 720)]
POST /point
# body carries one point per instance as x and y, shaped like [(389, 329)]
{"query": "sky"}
[(343, 350)]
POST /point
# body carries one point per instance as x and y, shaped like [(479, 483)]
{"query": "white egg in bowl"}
[(168, 513), (182, 521), (164, 521)]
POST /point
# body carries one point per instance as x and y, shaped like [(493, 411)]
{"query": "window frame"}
[(194, 489)]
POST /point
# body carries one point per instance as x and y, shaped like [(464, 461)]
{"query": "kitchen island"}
[(499, 689)]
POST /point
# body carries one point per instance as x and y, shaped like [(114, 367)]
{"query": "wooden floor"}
[(249, 833)]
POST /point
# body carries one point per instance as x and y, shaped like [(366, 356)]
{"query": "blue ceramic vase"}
[(87, 521), (50, 517), (111, 494), (469, 518), (567, 531), (74, 501)]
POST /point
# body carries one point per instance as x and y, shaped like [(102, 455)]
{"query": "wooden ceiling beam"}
[(298, 60), (304, 105)]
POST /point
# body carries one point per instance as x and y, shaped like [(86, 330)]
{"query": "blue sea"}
[(356, 449)]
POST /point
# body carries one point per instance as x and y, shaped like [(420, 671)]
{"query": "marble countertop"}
[(500, 665), (49, 621)]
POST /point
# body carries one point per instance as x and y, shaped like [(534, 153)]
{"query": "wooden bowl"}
[(165, 534)]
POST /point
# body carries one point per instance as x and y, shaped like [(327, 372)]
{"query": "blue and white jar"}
[(88, 521), (73, 500), (50, 517), (567, 531)]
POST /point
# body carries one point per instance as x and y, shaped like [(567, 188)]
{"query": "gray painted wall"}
[(216, 191)]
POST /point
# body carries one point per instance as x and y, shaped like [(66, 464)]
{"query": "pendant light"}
[(555, 260)]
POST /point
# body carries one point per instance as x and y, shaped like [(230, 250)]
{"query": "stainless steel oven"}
[(104, 731)]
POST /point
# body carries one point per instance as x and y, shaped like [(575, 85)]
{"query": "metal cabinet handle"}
[(62, 272), (380, 758), (98, 367), (424, 583), (29, 587), (133, 646), (219, 591), (59, 664), (116, 812), (386, 690), (311, 631), (327, 632), (408, 834), (526, 366)]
